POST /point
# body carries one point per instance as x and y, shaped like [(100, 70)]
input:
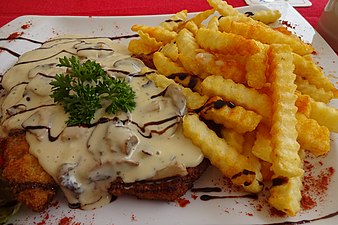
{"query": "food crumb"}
[(182, 202)]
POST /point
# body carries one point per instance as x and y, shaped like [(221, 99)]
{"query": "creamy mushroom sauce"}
[(145, 144)]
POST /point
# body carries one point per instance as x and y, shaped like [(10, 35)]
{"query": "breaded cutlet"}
[(30, 184)]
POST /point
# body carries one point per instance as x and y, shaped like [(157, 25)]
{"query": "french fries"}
[(259, 84)]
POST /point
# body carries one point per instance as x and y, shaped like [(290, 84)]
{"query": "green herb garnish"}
[(86, 87)]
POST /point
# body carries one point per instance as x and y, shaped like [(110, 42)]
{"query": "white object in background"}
[(294, 3), (328, 24)]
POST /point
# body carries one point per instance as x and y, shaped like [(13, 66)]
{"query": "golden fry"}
[(256, 68), (187, 48), (262, 148), (285, 194), (318, 94), (233, 138), (267, 16), (303, 104), (226, 43), (308, 70), (217, 64), (325, 115), (159, 33), (249, 98), (144, 45), (213, 23), (264, 34), (223, 8), (165, 65), (285, 158), (175, 21), (223, 156), (170, 50), (230, 116), (200, 17), (312, 136)]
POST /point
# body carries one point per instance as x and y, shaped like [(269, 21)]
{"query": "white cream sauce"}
[(145, 144)]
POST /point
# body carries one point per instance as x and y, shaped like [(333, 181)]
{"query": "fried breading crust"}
[(30, 184), (168, 189)]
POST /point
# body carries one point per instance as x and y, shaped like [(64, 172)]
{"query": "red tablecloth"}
[(10, 9)]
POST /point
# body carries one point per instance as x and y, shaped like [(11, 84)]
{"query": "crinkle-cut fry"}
[(175, 21), (255, 162), (144, 45), (239, 94), (226, 43), (318, 94), (170, 50), (313, 73), (325, 115), (233, 138), (157, 32), (312, 136), (230, 116), (194, 99), (187, 48), (266, 171), (262, 148), (192, 27), (213, 23), (165, 65), (265, 34), (229, 67), (188, 80), (224, 8), (256, 68), (231, 163), (303, 104), (200, 17), (267, 16), (285, 194), (285, 158)]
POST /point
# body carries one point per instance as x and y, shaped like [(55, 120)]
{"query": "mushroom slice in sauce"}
[(175, 93), (132, 65), (67, 178)]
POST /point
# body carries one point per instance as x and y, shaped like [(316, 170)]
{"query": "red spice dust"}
[(315, 186), (14, 35), (45, 218), (26, 26), (182, 202), (68, 221), (193, 196)]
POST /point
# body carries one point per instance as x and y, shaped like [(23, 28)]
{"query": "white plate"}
[(294, 3), (128, 210)]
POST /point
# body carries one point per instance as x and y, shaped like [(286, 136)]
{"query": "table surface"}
[(11, 9)]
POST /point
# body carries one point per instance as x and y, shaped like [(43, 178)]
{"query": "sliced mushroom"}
[(175, 93), (121, 139), (132, 65), (103, 172), (67, 178)]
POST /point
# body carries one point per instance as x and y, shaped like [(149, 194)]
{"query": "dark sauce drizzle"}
[(210, 197), (219, 104), (22, 38), (15, 54)]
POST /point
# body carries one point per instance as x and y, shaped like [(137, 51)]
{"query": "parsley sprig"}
[(86, 87)]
